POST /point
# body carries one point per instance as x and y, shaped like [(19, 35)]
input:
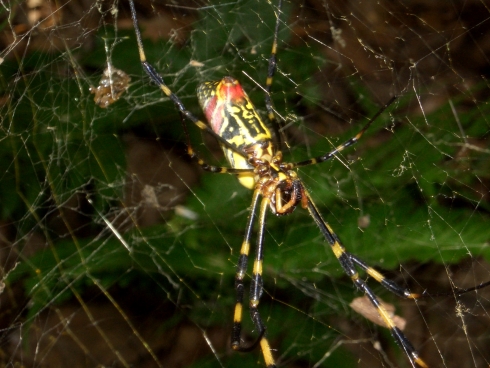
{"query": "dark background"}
[(117, 250)]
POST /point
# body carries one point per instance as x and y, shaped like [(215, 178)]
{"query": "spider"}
[(250, 150)]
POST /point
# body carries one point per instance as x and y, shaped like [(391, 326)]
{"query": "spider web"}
[(117, 250)]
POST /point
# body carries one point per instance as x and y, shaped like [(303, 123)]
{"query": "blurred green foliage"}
[(419, 194)]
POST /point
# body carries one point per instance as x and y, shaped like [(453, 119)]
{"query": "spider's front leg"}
[(255, 287)]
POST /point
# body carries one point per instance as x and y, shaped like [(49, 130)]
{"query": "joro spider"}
[(249, 148)]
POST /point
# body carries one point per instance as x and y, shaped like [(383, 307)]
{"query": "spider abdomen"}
[(231, 114)]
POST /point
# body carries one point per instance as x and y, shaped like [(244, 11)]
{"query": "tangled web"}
[(117, 250)]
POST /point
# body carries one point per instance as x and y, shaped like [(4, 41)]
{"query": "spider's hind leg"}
[(348, 263)]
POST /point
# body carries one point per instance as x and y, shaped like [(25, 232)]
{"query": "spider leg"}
[(239, 276), (391, 285), (457, 291), (347, 143), (348, 263), (271, 70), (157, 78), (256, 284)]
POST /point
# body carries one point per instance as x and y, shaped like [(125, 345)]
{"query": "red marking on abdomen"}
[(231, 91), (214, 114)]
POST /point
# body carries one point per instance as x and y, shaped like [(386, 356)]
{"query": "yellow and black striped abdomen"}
[(233, 117)]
